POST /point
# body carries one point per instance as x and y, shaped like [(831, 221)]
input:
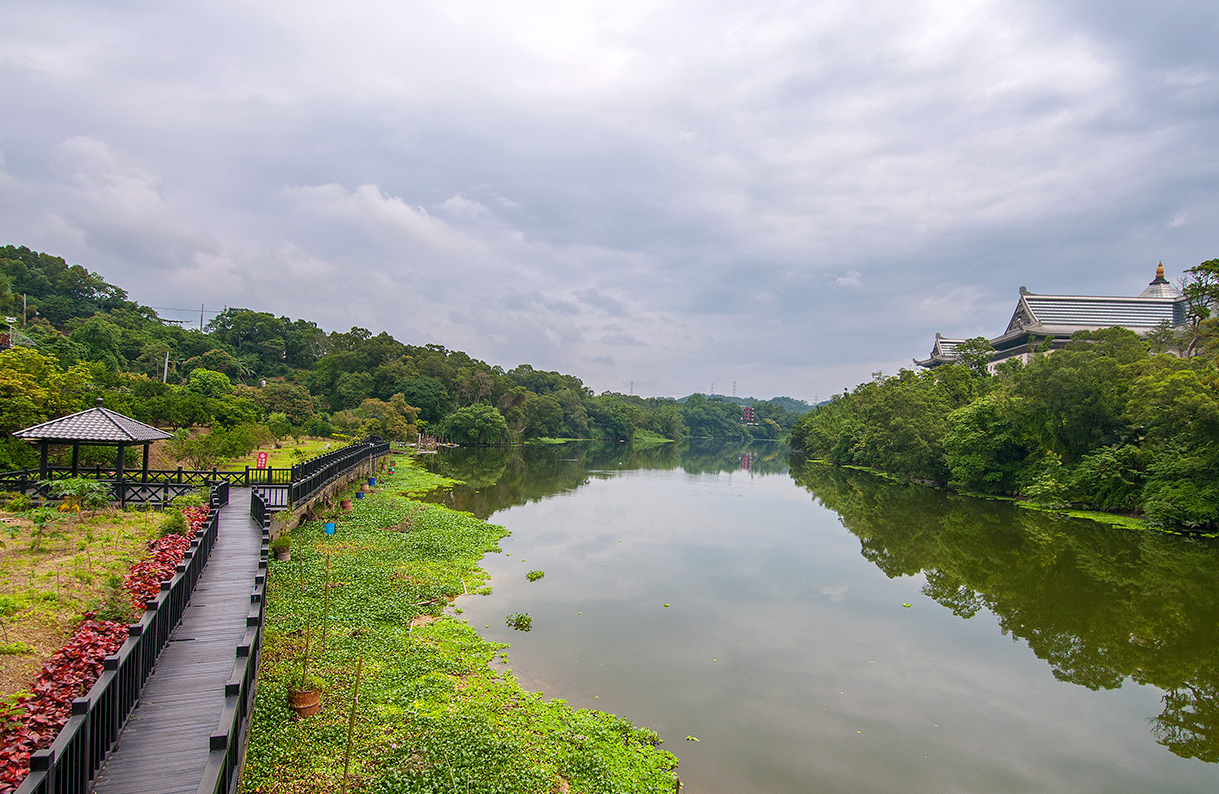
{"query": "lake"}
[(824, 631)]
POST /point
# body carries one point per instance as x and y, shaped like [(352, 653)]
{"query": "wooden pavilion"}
[(96, 426)]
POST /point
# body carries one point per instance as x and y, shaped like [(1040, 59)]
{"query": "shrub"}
[(174, 523), (15, 502)]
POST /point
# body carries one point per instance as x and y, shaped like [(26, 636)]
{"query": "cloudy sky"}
[(785, 195)]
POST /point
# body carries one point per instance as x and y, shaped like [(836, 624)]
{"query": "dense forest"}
[(248, 375), (1115, 422)]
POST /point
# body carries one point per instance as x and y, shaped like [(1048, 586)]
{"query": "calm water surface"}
[(833, 633)]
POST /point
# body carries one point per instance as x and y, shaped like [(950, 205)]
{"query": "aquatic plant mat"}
[(433, 713)]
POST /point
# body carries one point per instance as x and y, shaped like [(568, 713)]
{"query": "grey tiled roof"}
[(99, 425), (1103, 312)]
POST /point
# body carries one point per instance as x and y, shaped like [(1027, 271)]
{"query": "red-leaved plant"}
[(73, 669)]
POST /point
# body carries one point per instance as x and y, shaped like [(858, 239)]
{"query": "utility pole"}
[(712, 394), (632, 388), (200, 318), (165, 372), (734, 390), (23, 310)]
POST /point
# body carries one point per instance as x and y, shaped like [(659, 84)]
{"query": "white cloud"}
[(795, 192)]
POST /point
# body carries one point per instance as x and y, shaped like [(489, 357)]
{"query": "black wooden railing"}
[(26, 479), (68, 765), (280, 488), (227, 742), (311, 476), (258, 510)]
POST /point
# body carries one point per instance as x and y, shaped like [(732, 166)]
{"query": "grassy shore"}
[(435, 713)]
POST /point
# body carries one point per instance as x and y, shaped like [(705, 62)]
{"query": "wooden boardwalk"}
[(164, 745)]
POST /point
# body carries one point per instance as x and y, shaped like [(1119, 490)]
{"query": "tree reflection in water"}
[(1100, 605)]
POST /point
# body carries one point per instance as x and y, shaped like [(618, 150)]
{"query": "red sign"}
[(262, 460)]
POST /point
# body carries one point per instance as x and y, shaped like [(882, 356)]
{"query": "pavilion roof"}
[(97, 426)]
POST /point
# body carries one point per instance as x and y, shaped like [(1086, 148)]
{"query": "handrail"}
[(310, 477), (258, 510), (227, 743), (25, 479), (69, 764)]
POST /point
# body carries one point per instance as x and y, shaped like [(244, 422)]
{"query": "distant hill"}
[(799, 407)]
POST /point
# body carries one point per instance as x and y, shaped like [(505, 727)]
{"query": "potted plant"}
[(304, 690), (281, 547)]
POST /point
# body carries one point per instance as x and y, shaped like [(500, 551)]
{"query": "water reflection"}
[(500, 477), (1100, 606)]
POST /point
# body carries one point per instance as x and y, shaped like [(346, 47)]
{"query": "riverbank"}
[(435, 712), (1118, 520)]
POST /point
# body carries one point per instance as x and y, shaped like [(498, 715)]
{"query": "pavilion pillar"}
[(145, 477), (118, 474), (75, 458), (42, 459)]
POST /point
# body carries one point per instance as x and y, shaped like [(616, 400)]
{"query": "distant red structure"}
[(748, 416)]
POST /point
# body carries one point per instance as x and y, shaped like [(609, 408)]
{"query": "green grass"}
[(642, 439), (433, 715), (289, 453)]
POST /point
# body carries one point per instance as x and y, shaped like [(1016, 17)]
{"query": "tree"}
[(279, 425), (975, 353), (477, 424), (1201, 291), (209, 383), (543, 416)]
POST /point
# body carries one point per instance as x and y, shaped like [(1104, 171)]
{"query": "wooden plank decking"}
[(164, 745)]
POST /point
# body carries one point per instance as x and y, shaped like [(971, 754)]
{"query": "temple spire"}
[(1159, 275)]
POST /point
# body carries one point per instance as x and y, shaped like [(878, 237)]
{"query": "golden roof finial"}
[(1160, 271)]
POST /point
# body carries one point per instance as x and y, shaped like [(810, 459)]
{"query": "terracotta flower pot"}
[(304, 702), (345, 504), (282, 554)]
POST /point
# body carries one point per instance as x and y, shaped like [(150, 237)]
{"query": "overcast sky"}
[(785, 195)]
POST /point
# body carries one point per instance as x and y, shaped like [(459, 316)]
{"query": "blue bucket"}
[(372, 480), (329, 527), (359, 494)]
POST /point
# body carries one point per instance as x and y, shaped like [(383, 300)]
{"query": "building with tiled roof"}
[(1055, 317)]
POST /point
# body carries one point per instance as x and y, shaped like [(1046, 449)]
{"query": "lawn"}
[(289, 453), (50, 577)]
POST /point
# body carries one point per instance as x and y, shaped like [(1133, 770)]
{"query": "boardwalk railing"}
[(258, 510), (311, 476), (308, 478), (156, 486), (69, 764), (227, 743), (280, 488)]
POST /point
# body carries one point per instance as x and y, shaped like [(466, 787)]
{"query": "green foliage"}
[(533, 576), (521, 621), (209, 383), (281, 543), (198, 497), (174, 523), (279, 425), (80, 492), (433, 715), (475, 424), (14, 502), (974, 354), (1102, 424)]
